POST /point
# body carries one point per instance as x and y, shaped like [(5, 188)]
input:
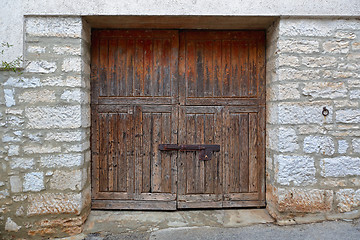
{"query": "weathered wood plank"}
[(244, 152), (253, 165)]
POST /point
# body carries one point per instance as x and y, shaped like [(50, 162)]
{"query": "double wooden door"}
[(152, 87)]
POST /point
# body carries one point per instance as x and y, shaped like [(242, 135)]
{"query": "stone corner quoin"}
[(313, 161)]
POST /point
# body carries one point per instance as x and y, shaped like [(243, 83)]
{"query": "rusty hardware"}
[(206, 151), (325, 112)]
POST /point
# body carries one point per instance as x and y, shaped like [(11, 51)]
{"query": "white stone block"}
[(355, 94), (337, 46), (62, 160), (319, 62), (44, 148), (340, 166), (67, 49), (68, 136), (23, 163), (54, 26), (345, 34), (356, 145), (36, 96), (36, 49), (34, 182), (295, 170), (319, 144), (298, 46), (15, 184), (4, 194), (290, 74), (71, 64), (325, 90), (301, 113), (347, 199), (343, 146), (348, 116), (54, 117), (11, 226), (62, 180), (41, 67), (9, 97), (288, 60), (23, 82), (13, 150), (75, 95)]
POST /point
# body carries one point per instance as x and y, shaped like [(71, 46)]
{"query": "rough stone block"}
[(22, 82), (4, 194), (322, 62), (283, 139), (11, 226), (356, 145), (9, 97), (75, 95), (54, 26), (345, 34), (15, 184), (13, 150), (295, 170), (67, 49), (337, 46), (348, 116), (62, 180), (68, 136), (35, 96), (355, 94), (36, 49), (356, 46), (342, 146), (23, 163), (347, 199), (54, 203), (304, 200), (62, 160), (44, 148), (319, 144), (298, 113), (41, 67), (290, 74), (353, 83), (34, 182), (54, 117), (71, 64), (285, 91), (288, 60), (340, 166), (325, 90), (298, 46)]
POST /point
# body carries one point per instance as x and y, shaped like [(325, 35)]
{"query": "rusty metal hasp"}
[(206, 151)]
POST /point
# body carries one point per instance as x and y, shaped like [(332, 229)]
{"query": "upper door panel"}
[(222, 67), (135, 67)]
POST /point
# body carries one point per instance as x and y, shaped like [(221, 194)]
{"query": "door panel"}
[(141, 98)]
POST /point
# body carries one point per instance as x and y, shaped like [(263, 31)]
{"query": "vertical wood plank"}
[(112, 86), (148, 67), (199, 165), (253, 171), (138, 150), (130, 57), (261, 152), (218, 69), (226, 66), (182, 161), (147, 158), (139, 68), (210, 168), (253, 69), (235, 149), (208, 69), (235, 71), (104, 139), (156, 164), (122, 71), (166, 68), (95, 150), (95, 68), (190, 156), (157, 78), (104, 61), (227, 157), (175, 76), (199, 61), (191, 69), (244, 152), (174, 155), (244, 53), (123, 166), (166, 156), (182, 82), (130, 152), (111, 151)]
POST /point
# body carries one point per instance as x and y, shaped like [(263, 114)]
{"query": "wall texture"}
[(313, 161), (44, 128)]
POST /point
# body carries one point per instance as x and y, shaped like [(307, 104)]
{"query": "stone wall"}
[(313, 161), (44, 128)]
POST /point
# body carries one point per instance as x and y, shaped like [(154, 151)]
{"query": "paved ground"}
[(210, 225)]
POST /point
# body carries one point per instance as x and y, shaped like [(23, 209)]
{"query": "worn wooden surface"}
[(152, 87)]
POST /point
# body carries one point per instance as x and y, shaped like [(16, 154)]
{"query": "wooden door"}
[(134, 109), (223, 102), (141, 98)]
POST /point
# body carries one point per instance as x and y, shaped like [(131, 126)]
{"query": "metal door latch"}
[(206, 151)]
